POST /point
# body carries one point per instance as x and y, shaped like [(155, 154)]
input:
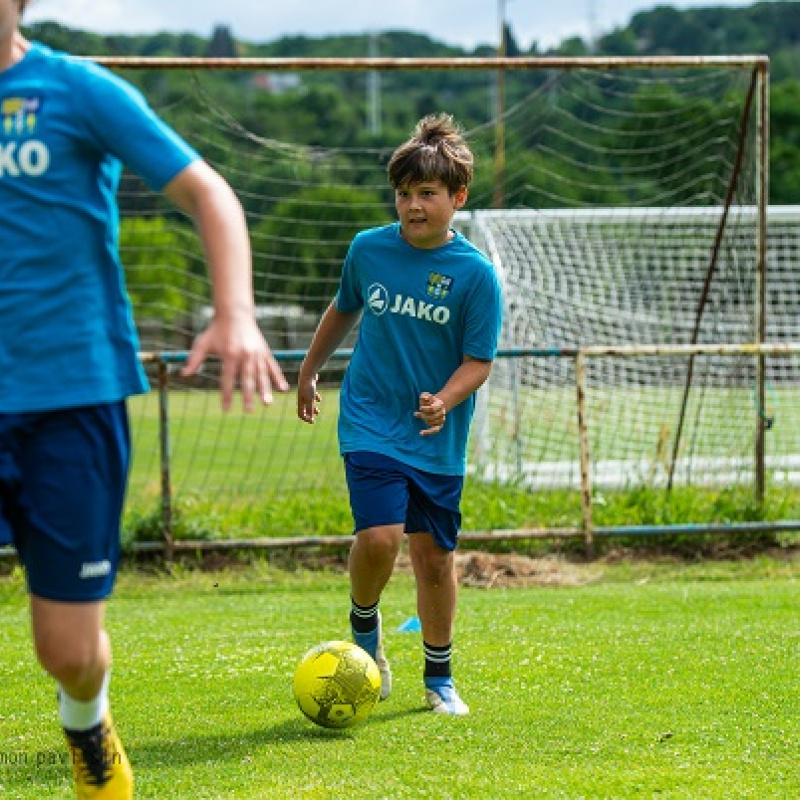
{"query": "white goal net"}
[(628, 278)]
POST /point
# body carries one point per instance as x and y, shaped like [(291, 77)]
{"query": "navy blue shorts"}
[(63, 476), (384, 491)]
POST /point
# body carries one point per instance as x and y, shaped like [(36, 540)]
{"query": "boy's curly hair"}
[(436, 151)]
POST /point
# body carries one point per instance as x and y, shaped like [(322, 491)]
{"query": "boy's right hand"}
[(307, 398), (246, 359)]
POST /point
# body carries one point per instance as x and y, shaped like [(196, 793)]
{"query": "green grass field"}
[(232, 453), (267, 474), (631, 680), (270, 452)]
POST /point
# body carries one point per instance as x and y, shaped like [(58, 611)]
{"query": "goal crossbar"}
[(760, 62)]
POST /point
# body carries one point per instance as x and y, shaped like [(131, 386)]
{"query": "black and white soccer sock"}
[(363, 619), (437, 660)]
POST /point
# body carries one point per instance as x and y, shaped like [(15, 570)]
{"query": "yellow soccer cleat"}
[(99, 764)]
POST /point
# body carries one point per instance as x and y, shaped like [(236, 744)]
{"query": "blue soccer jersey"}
[(423, 311), (67, 336)]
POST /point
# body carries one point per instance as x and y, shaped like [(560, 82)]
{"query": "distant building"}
[(222, 44), (275, 82)]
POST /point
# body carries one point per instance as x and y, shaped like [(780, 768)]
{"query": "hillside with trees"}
[(330, 110), (291, 202)]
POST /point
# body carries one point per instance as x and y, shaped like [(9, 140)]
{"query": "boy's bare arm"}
[(330, 333), (468, 378), (233, 334)]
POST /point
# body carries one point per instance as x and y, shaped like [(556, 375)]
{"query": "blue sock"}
[(438, 681), (364, 624), (367, 641)]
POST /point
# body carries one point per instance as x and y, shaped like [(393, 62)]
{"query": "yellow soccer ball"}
[(337, 684)]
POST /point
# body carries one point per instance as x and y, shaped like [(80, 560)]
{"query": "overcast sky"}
[(458, 22)]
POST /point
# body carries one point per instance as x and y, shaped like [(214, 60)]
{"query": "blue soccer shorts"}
[(63, 476), (384, 491)]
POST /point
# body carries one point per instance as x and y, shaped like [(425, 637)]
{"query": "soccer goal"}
[(630, 287), (624, 202)]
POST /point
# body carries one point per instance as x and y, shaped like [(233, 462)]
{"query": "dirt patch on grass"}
[(495, 570), (473, 567)]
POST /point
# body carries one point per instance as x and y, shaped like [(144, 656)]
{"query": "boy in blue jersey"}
[(68, 353), (429, 305)]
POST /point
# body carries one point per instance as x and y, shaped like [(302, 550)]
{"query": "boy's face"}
[(426, 211)]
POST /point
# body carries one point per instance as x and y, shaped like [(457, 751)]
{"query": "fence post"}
[(164, 451), (583, 439), (762, 138)]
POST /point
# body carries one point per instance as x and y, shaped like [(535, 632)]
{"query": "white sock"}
[(79, 716)]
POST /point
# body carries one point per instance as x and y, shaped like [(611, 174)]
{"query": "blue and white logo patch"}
[(377, 299)]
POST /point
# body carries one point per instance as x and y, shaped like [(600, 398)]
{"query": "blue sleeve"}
[(119, 121), (484, 318), (349, 298)]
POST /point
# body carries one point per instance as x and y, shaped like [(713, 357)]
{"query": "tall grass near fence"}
[(269, 475)]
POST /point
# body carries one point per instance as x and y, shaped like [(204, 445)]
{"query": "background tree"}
[(300, 247), (164, 268)]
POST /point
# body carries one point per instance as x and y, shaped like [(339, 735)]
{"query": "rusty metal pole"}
[(762, 143), (499, 124), (164, 450), (585, 457)]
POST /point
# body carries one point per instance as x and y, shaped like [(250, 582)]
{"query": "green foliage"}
[(197, 516), (190, 520), (668, 128), (785, 150), (763, 27), (316, 115), (490, 507), (621, 42), (555, 181), (684, 505), (305, 238), (161, 261), (222, 43), (331, 109)]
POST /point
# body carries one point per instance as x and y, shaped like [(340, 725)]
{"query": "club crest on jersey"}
[(439, 286), (20, 115)]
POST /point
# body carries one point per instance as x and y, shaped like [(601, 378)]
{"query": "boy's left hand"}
[(432, 412)]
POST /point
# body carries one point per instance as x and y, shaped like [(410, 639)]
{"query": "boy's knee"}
[(435, 566), (71, 663), (380, 541)]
